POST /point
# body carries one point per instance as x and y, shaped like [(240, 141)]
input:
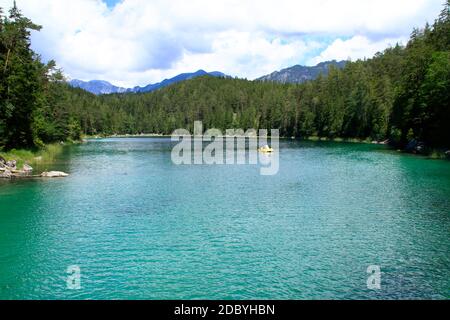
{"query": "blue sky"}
[(111, 3), (137, 42)]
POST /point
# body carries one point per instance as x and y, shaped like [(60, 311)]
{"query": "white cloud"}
[(141, 41), (247, 54), (358, 47)]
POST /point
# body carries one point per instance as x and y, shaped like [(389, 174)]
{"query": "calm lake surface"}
[(140, 227)]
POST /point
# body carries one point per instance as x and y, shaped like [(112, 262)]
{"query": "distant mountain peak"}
[(96, 86), (300, 74), (99, 87)]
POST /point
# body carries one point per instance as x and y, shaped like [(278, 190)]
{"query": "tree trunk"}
[(7, 60)]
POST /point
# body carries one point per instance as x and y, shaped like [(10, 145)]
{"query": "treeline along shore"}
[(401, 95)]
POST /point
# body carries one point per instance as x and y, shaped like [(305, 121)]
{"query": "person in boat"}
[(266, 149)]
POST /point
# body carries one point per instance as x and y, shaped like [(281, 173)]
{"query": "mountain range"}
[(104, 87), (300, 74), (295, 74)]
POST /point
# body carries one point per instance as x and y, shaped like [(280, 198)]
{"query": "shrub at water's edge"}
[(45, 155)]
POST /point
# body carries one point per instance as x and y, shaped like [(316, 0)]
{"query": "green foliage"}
[(36, 106), (45, 155), (20, 79), (422, 103)]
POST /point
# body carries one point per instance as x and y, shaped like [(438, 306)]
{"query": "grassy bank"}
[(45, 155)]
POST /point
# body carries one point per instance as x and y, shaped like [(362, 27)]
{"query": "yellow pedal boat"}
[(266, 149)]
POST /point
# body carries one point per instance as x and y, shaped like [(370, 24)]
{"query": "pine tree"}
[(20, 80)]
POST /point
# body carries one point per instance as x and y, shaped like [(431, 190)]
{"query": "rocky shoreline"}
[(9, 170)]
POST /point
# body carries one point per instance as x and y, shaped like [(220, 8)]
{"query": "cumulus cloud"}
[(358, 47), (139, 41)]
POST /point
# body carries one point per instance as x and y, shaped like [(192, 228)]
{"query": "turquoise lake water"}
[(140, 227)]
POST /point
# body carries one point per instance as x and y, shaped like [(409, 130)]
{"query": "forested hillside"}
[(400, 94)]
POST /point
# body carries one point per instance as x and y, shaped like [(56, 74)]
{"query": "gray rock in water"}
[(54, 174), (2, 160), (6, 174), (415, 146), (27, 168), (11, 164)]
